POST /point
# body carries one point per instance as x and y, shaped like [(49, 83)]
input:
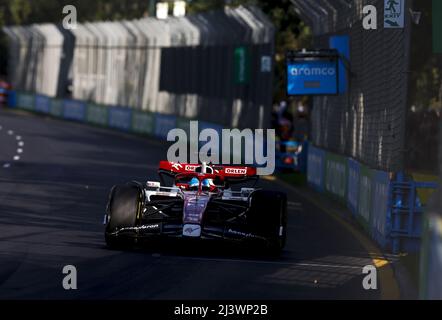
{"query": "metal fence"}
[(431, 252), (358, 136), (215, 66), (368, 122), (34, 55), (431, 249)]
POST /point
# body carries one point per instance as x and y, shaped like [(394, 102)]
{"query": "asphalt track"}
[(52, 200)]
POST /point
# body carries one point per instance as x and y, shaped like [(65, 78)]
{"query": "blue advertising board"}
[(342, 44), (315, 168), (380, 216), (163, 124), (12, 99), (74, 110), (120, 118), (42, 104), (26, 101), (354, 170), (312, 77)]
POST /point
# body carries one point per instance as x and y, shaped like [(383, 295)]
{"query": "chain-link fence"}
[(431, 252), (368, 122), (375, 146), (431, 248), (215, 66)]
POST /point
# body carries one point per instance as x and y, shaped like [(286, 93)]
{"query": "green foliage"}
[(426, 67), (197, 6), (291, 34), (20, 10)]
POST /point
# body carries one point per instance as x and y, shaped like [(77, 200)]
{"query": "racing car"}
[(202, 202), (291, 155)]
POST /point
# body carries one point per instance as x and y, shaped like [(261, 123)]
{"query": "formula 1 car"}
[(291, 155), (199, 204)]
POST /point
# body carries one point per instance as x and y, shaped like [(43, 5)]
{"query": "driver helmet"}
[(207, 183), (194, 183)]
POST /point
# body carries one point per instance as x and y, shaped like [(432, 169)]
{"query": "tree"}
[(426, 72)]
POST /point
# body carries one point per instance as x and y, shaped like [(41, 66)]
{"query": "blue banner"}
[(315, 77), (120, 118), (315, 168), (143, 122), (342, 44), (56, 108), (202, 125), (42, 104), (163, 124), (74, 110), (12, 99), (207, 125), (380, 216), (354, 169), (26, 101)]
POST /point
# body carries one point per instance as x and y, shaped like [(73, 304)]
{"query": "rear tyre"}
[(268, 217), (123, 209)]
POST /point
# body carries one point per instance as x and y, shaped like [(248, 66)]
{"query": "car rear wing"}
[(175, 168), (231, 174)]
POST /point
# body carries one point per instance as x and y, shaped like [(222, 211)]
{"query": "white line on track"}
[(21, 143), (6, 165), (18, 137), (19, 150), (294, 264), (294, 204), (10, 132), (16, 158)]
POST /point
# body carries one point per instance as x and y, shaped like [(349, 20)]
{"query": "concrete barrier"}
[(364, 191), (387, 205), (42, 104), (316, 168), (120, 118), (74, 110), (97, 114), (431, 257)]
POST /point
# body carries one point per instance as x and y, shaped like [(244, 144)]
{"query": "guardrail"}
[(407, 211), (115, 117), (431, 257), (216, 66), (386, 204), (119, 118)]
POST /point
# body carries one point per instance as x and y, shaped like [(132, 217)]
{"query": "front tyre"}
[(123, 209)]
